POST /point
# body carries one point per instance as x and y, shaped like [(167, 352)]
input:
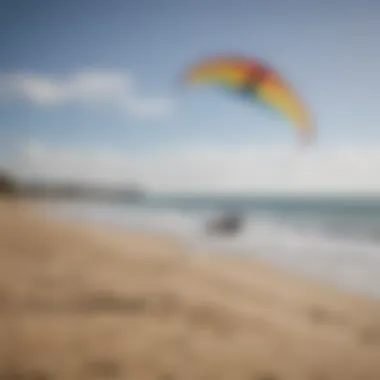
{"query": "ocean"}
[(335, 239)]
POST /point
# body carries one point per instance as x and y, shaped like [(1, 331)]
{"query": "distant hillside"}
[(7, 184), (82, 191)]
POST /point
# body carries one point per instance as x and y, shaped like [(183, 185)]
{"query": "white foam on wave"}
[(350, 263)]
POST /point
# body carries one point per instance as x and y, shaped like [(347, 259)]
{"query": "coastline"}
[(78, 299)]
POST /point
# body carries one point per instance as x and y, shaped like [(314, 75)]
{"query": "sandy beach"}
[(85, 301)]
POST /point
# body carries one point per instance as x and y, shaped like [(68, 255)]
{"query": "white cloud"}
[(220, 169), (87, 87)]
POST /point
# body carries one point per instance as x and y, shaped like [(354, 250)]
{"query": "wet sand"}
[(84, 301)]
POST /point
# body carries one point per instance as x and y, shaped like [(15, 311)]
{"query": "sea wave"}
[(339, 250)]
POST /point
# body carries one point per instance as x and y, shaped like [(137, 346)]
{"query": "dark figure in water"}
[(224, 225)]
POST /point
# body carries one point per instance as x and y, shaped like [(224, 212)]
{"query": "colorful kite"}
[(253, 80)]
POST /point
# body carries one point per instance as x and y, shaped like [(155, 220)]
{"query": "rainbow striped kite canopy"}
[(252, 78)]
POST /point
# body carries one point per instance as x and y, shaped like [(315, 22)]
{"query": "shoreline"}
[(196, 247), (79, 299)]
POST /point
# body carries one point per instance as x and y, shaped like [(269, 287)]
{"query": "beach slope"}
[(82, 301)]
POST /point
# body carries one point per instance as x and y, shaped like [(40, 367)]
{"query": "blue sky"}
[(328, 50)]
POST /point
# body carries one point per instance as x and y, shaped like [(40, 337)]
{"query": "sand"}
[(85, 301)]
